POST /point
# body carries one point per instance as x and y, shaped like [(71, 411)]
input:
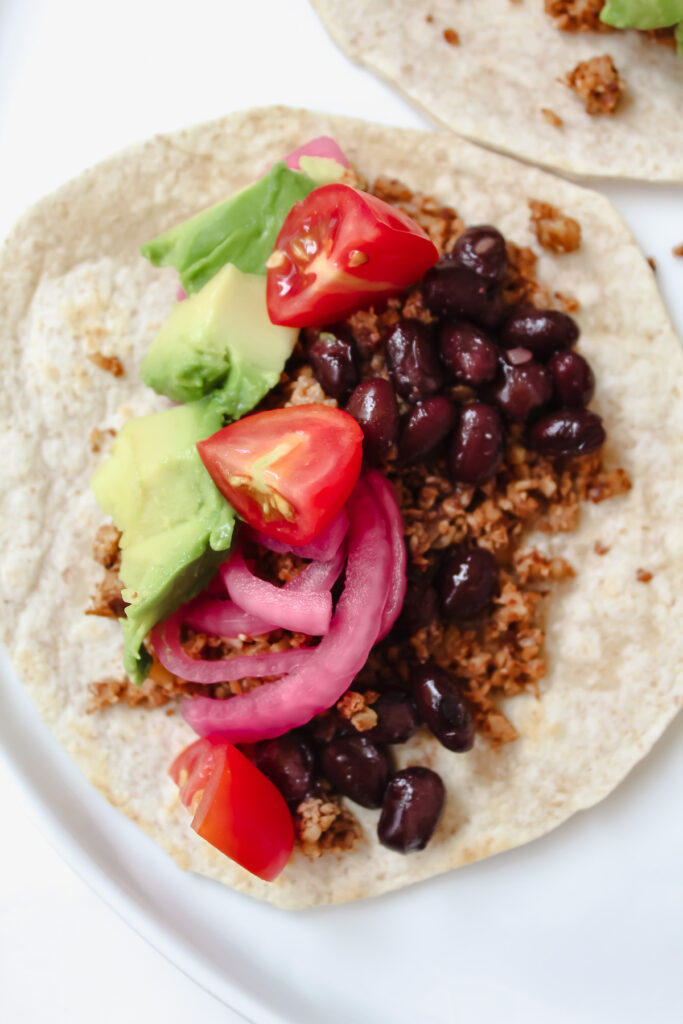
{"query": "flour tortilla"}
[(508, 65), (72, 282)]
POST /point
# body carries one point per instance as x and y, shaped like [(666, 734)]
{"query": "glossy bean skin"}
[(567, 432), (442, 707), (397, 718), (522, 389), (357, 769), (467, 582), (289, 764), (332, 357), (412, 806), (426, 426), (543, 331), (482, 249), (373, 406), (573, 380), (414, 365), (455, 292), (477, 446), (468, 352)]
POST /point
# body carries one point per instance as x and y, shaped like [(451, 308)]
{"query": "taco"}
[(582, 86), (566, 694)]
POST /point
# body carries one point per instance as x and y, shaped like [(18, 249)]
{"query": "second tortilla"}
[(503, 67)]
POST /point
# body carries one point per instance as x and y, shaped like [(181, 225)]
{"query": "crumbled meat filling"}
[(643, 575), (551, 117), (158, 689), (577, 15), (354, 707), (106, 600), (323, 825), (106, 546), (521, 285), (554, 230), (451, 37), (112, 364), (98, 438), (678, 250), (663, 36), (598, 83)]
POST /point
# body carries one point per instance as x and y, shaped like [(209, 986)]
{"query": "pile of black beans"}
[(360, 766), (515, 366), (517, 363)]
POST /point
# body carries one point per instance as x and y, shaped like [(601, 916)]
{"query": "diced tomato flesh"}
[(287, 472), (236, 808)]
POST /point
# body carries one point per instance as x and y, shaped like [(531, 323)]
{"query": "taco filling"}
[(320, 549)]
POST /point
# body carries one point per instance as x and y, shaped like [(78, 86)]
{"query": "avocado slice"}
[(241, 230), (642, 14), (220, 338), (176, 526)]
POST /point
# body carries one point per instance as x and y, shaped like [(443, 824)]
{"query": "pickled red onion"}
[(219, 617), (292, 701), (323, 146), (303, 609), (384, 493), (323, 547), (169, 651)]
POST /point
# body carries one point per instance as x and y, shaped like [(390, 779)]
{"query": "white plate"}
[(583, 925)]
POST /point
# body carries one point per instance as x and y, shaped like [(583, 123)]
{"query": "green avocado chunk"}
[(176, 526), (240, 230), (642, 14), (220, 339)]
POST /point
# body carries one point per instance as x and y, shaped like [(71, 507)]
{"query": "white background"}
[(79, 80)]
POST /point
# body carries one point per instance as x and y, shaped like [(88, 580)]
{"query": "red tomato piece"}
[(340, 249), (287, 472), (236, 808)]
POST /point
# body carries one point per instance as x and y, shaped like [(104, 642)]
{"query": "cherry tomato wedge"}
[(340, 249), (238, 810), (287, 472)]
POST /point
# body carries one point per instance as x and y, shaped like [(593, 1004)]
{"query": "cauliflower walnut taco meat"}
[(567, 693)]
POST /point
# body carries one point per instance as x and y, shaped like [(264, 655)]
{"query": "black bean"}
[(477, 449), (543, 331), (413, 363), (288, 763), (411, 810), (420, 605), (332, 358), (467, 582), (573, 379), (482, 249), (468, 353), (373, 405), (396, 718), (456, 292), (357, 769), (567, 432), (521, 389), (442, 707), (427, 425)]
